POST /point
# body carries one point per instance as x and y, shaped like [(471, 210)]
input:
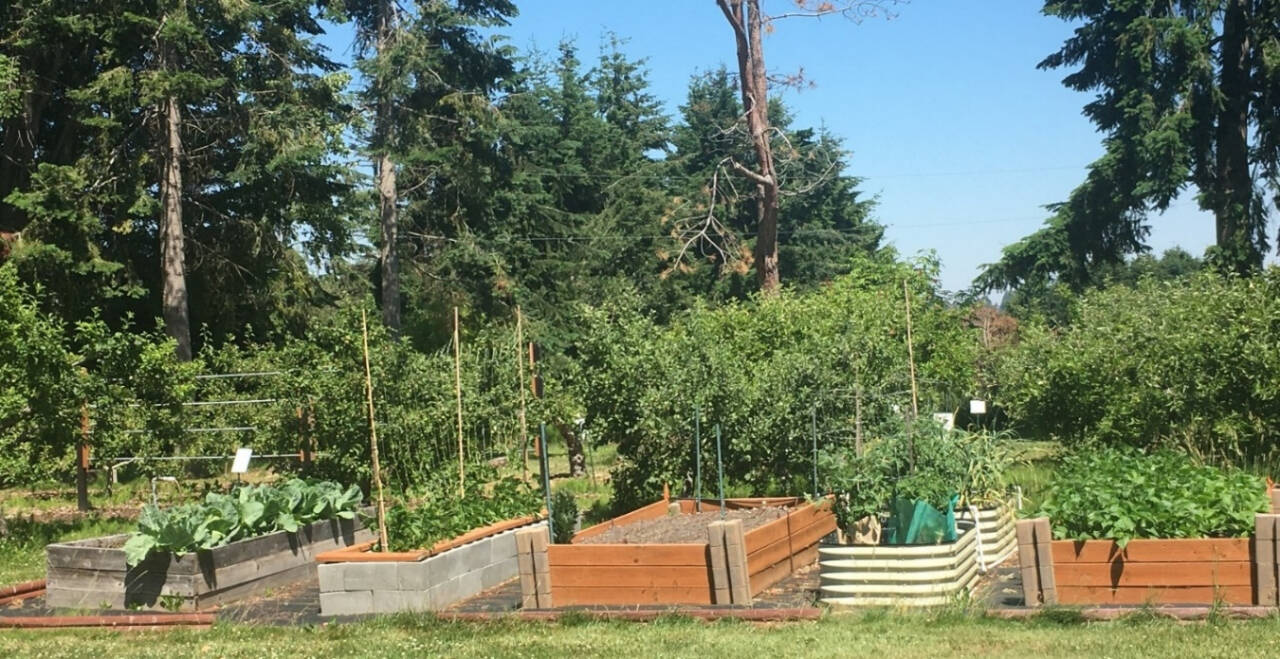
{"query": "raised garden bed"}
[(997, 539), (897, 575), (357, 580), (94, 574), (667, 553), (1234, 571)]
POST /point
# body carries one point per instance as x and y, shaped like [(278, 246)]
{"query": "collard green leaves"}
[(245, 513)]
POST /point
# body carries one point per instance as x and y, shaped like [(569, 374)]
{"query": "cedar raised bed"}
[(689, 573), (1233, 571), (93, 573)]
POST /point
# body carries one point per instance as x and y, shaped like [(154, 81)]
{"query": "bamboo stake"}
[(457, 388), (373, 434), (911, 363), (911, 355), (524, 425)]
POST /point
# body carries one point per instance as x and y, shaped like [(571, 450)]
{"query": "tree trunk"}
[(573, 446), (748, 23), (1233, 196), (387, 197), (177, 322)]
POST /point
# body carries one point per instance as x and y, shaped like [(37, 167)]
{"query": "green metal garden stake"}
[(720, 469), (546, 476), (697, 461)]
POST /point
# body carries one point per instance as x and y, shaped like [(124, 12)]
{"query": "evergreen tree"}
[(1186, 95)]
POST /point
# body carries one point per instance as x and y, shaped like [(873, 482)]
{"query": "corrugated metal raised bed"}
[(357, 580), (899, 575), (93, 573), (997, 535)]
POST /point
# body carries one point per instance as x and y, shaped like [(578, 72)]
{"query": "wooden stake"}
[(373, 434), (457, 389), (524, 426), (911, 355), (82, 461)]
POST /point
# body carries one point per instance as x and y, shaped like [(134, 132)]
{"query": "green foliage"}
[(564, 516), (760, 369), (925, 462), (448, 515), (1189, 363), (1122, 494), (247, 512)]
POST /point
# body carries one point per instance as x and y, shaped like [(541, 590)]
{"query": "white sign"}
[(241, 464), (947, 419), (977, 407)]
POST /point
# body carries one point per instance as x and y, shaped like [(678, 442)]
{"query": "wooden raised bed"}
[(1234, 571), (93, 573), (731, 567), (899, 575), (356, 580)]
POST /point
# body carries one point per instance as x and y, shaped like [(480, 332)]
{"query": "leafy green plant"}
[(1190, 364), (447, 516), (924, 462), (1122, 494), (247, 512), (564, 516)]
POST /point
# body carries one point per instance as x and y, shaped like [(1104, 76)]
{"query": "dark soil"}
[(685, 528)]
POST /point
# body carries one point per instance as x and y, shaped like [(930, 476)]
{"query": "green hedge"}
[(1193, 364)]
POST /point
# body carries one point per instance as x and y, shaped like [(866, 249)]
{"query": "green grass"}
[(22, 555), (876, 634)]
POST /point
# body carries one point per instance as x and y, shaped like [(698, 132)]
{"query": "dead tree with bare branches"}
[(750, 24)]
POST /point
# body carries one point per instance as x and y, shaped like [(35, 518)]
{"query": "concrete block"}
[(388, 601), (370, 576), (471, 583), (413, 576), (446, 565), (415, 600), (502, 546), (499, 572), (331, 577), (474, 557), (446, 593), (350, 603)]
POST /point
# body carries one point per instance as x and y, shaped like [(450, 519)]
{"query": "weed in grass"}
[(1060, 616)]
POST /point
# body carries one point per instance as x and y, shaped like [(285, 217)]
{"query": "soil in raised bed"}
[(676, 529)]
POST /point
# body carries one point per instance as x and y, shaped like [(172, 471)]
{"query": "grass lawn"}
[(22, 555), (876, 634)]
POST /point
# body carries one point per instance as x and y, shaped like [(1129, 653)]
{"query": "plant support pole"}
[(373, 434), (457, 388), (697, 460), (524, 425), (720, 469), (546, 475), (813, 421)]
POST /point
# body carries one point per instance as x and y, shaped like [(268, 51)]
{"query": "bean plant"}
[(1122, 494)]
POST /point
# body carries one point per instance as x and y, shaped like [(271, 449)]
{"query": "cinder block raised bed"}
[(356, 580), (1234, 571), (93, 573), (899, 575), (731, 566)]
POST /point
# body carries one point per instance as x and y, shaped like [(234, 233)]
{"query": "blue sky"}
[(960, 136)]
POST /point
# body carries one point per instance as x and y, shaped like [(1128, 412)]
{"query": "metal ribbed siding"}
[(997, 534), (899, 575)]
